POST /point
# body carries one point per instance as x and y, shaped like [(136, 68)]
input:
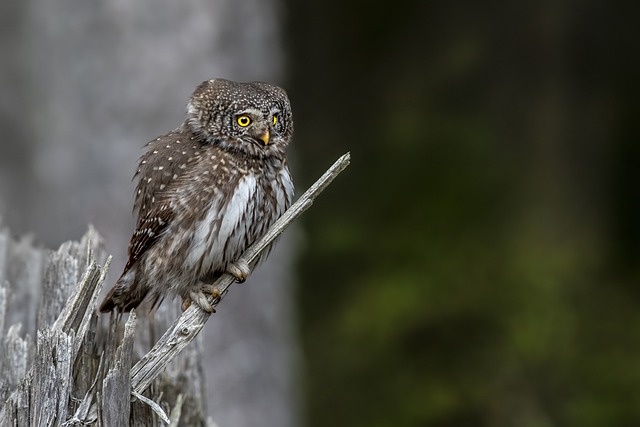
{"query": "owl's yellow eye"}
[(274, 120), (244, 121)]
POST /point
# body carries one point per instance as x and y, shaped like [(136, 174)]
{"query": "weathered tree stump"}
[(75, 371)]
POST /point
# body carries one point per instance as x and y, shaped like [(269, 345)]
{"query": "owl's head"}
[(252, 118)]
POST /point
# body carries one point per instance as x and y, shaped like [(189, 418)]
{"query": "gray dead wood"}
[(74, 373), (116, 387), (58, 289)]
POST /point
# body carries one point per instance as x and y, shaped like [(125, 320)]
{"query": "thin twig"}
[(189, 324)]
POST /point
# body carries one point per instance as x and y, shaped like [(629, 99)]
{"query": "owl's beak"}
[(265, 137)]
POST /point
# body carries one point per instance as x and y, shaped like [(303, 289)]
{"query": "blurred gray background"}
[(84, 86)]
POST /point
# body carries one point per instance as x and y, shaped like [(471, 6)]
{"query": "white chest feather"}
[(238, 210), (222, 234)]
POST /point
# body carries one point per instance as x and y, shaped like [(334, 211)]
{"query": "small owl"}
[(206, 191)]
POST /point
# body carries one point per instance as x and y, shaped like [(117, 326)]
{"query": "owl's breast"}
[(235, 220)]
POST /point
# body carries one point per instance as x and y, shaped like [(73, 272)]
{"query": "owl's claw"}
[(240, 270), (200, 298)]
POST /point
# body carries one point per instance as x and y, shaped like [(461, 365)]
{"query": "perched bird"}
[(206, 191)]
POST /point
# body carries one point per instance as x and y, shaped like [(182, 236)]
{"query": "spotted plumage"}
[(205, 192)]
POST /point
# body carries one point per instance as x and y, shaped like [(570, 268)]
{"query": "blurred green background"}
[(477, 264)]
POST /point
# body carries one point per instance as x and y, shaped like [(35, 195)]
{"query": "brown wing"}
[(165, 160), (149, 230), (162, 167)]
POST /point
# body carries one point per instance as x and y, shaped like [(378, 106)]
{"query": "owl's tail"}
[(125, 295)]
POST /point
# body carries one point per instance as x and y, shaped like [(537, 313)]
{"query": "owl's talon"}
[(199, 297), (240, 270), (201, 301)]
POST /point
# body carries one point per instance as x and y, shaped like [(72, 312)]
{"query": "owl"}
[(206, 191)]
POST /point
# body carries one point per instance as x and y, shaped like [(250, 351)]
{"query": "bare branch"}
[(189, 324)]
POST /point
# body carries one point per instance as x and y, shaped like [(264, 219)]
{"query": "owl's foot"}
[(240, 270), (199, 297)]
